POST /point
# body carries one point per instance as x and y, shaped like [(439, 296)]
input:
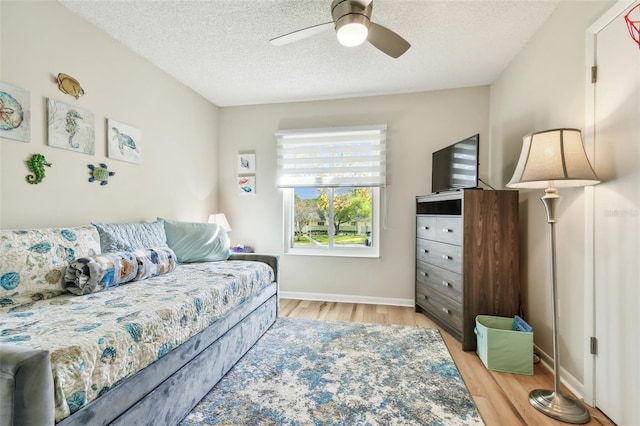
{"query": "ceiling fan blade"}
[(300, 34), (387, 41)]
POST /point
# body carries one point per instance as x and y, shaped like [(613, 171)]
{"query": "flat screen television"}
[(456, 166)]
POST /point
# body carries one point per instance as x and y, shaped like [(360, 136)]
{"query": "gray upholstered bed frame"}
[(162, 393)]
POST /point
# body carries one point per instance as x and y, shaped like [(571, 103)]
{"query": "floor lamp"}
[(551, 159)]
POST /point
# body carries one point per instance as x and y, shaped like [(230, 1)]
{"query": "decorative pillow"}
[(197, 242), (92, 274), (154, 261), (130, 236), (33, 261)]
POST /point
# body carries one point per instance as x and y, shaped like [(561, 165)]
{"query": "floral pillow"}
[(33, 261)]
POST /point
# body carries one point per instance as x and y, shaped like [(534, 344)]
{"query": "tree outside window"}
[(348, 211)]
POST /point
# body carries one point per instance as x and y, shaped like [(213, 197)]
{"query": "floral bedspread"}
[(98, 340)]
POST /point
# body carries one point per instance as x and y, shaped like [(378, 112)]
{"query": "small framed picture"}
[(70, 127), (15, 113), (247, 185), (246, 163), (123, 141)]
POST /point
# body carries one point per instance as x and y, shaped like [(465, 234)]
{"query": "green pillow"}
[(197, 242)]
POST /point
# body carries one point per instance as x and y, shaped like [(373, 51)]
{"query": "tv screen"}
[(456, 166)]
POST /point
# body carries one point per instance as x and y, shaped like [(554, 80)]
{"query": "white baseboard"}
[(346, 298), (573, 384)]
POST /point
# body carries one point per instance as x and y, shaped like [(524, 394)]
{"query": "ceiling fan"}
[(352, 22)]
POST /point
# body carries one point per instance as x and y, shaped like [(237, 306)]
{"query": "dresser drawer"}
[(449, 230), (441, 307), (446, 256), (446, 282), (426, 227)]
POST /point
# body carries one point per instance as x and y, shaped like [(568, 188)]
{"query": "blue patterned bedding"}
[(98, 340)]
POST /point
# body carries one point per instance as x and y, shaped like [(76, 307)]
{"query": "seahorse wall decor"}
[(36, 165)]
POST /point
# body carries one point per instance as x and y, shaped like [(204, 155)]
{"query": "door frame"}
[(600, 24)]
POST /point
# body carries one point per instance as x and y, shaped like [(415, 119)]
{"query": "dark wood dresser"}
[(467, 260)]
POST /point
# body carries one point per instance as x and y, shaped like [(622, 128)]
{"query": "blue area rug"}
[(308, 372)]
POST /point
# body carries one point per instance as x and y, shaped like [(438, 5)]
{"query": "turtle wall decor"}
[(100, 173)]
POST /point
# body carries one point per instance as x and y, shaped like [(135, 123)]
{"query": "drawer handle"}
[(426, 228), (446, 257), (446, 310), (446, 284), (447, 230), (425, 250), (424, 273)]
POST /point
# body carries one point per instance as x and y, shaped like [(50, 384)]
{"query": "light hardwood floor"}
[(501, 398)]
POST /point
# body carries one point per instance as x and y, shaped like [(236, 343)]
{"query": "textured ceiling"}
[(221, 49)]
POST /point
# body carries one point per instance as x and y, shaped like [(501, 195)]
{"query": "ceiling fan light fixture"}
[(353, 26), (352, 30)]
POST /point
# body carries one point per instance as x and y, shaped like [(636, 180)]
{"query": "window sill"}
[(371, 253)]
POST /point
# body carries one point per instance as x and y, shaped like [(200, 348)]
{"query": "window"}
[(332, 180)]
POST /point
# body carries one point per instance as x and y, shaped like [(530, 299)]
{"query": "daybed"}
[(80, 350)]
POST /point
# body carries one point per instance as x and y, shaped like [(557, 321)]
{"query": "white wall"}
[(544, 88), (417, 123), (177, 177)]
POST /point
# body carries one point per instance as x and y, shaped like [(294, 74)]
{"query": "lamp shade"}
[(553, 157), (220, 219)]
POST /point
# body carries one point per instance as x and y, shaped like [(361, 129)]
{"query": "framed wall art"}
[(123, 142), (15, 113), (247, 185), (246, 163), (70, 127)]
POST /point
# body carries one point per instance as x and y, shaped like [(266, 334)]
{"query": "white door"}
[(616, 218)]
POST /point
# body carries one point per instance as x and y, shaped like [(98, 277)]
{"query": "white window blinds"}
[(346, 156)]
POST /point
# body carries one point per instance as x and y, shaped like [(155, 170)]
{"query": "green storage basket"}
[(502, 349)]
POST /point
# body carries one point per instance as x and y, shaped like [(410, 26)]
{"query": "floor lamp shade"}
[(549, 159), (555, 155)]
